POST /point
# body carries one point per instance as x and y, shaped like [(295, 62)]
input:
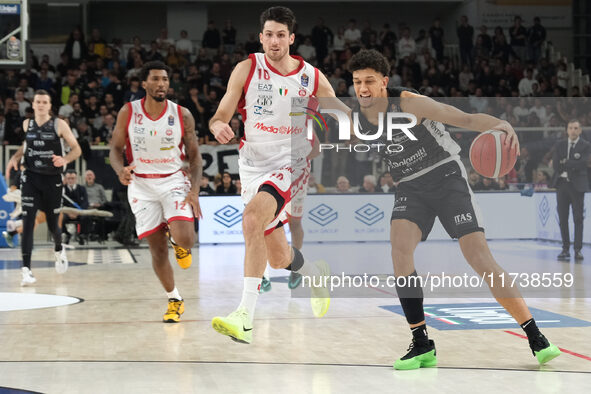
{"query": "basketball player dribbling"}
[(273, 161), (155, 134), (433, 183)]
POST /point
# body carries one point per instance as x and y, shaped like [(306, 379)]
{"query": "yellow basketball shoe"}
[(174, 312), (319, 294), (236, 325), (183, 256)]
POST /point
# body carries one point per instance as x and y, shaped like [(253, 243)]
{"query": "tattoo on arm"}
[(192, 150)]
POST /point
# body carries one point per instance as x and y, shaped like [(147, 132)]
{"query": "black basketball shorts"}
[(39, 191), (444, 193)]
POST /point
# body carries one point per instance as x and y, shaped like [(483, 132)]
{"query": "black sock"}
[(419, 333), (12, 233), (530, 328)]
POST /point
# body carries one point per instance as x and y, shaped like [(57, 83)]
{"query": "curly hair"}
[(153, 65), (369, 59), (279, 14)]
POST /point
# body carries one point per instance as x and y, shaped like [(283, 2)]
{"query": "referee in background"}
[(570, 160)]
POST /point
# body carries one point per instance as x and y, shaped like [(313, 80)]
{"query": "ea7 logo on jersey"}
[(463, 218), (265, 87)]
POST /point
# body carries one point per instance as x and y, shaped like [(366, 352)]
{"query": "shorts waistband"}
[(154, 175)]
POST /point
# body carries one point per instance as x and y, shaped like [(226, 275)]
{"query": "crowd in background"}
[(503, 71)]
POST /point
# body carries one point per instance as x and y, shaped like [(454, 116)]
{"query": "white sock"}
[(250, 293), (174, 294), (266, 274)]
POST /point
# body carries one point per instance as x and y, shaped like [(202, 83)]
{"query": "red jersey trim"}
[(269, 231), (182, 218), (128, 151), (182, 143), (150, 232), (151, 176), (297, 70), (146, 112), (316, 74), (253, 66)]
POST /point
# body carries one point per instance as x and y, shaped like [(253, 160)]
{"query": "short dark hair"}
[(153, 65), (574, 120), (279, 14), (71, 171), (369, 59), (41, 92)]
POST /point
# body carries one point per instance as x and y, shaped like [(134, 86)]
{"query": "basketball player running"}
[(42, 155), (433, 183), (273, 164), (155, 134)]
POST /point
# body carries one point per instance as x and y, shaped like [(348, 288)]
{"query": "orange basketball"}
[(490, 156)]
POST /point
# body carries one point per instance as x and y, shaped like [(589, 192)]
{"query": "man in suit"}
[(570, 160), (75, 196)]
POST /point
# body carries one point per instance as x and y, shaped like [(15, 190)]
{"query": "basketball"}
[(490, 156)]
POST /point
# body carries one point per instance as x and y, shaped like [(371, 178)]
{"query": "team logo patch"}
[(169, 132), (283, 91), (305, 80), (171, 120), (302, 92)]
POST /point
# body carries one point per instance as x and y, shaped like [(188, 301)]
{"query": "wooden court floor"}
[(114, 341)]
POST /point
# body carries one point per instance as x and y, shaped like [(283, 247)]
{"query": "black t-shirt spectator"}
[(220, 190)]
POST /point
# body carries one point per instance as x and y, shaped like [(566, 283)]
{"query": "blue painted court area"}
[(479, 316), (17, 264)]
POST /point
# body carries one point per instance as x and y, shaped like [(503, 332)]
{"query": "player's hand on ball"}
[(193, 199), (125, 175), (58, 161), (222, 132), (508, 129)]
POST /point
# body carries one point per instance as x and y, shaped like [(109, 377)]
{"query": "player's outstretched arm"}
[(330, 101), (118, 142), (218, 124), (195, 162), (64, 131), (426, 108)]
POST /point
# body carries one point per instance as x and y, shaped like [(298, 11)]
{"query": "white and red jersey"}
[(155, 146), (274, 109)]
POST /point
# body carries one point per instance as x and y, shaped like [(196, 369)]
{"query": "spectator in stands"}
[(229, 37), (212, 40), (536, 37), (95, 191), (134, 92), (238, 185), (75, 197), (313, 186), (542, 180), (154, 52), (115, 88), (19, 98), (369, 184), (307, 51), (466, 38), (473, 179), (226, 187), (436, 33), (352, 35), (387, 183), (406, 44), (195, 106), (45, 83), (66, 110), (502, 184), (343, 185), (338, 42), (77, 115), (518, 35), (184, 46), (164, 42), (69, 88), (13, 129), (486, 184), (96, 44), (252, 45), (76, 48), (204, 188), (105, 132), (525, 85), (321, 39)]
